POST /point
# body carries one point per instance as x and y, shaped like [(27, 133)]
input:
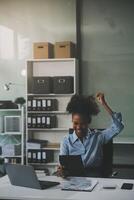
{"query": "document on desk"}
[(79, 185)]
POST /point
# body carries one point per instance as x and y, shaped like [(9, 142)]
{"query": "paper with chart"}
[(79, 184)]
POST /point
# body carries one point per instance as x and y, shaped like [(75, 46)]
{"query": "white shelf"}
[(51, 148), (11, 133), (7, 140), (10, 110), (50, 112), (47, 164), (51, 95), (46, 148), (48, 129), (6, 156), (52, 60), (51, 68)]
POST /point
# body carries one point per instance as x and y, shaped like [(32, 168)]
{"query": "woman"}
[(85, 142)]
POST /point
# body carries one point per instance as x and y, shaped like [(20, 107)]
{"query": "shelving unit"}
[(54, 135), (11, 139)]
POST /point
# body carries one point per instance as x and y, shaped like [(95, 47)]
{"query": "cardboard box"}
[(64, 49), (43, 50)]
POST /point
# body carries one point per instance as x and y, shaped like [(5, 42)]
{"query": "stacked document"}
[(36, 143), (79, 184)]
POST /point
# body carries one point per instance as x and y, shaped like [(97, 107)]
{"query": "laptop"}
[(73, 164), (25, 176)]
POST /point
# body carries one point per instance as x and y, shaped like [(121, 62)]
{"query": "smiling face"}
[(80, 124)]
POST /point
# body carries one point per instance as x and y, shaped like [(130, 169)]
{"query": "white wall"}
[(23, 22), (108, 57)]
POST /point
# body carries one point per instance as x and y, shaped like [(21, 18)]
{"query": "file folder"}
[(43, 123), (48, 125), (29, 104), (29, 156), (49, 104), (39, 156), (29, 121), (34, 105), (52, 104), (39, 122), (43, 156), (34, 156), (39, 104), (44, 104), (34, 123)]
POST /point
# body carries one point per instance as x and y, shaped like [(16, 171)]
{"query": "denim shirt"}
[(91, 150)]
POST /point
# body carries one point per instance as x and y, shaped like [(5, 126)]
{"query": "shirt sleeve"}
[(64, 147), (115, 128)]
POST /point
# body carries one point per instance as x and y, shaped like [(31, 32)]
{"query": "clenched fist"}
[(100, 98)]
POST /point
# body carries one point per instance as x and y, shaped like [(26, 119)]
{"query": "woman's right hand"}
[(61, 171)]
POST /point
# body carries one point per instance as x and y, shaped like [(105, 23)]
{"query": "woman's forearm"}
[(101, 99), (107, 108)]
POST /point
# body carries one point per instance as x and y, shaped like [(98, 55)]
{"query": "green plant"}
[(20, 100)]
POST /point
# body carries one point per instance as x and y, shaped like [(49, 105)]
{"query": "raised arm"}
[(116, 126), (101, 99)]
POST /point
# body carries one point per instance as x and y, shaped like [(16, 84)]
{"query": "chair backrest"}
[(107, 156), (107, 159)]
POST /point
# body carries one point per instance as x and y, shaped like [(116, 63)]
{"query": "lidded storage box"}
[(43, 50), (64, 49), (42, 85), (63, 84)]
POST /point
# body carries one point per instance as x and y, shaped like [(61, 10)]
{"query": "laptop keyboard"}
[(47, 184)]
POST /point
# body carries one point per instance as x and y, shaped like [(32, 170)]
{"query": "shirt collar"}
[(75, 137)]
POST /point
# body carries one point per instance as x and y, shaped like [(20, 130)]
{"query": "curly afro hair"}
[(83, 105)]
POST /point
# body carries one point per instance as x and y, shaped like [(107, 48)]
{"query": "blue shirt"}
[(91, 150)]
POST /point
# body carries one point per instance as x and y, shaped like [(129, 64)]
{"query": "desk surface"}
[(8, 191)]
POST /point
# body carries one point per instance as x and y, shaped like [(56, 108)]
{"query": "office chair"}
[(107, 163), (107, 159)]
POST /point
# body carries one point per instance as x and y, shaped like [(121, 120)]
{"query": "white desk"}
[(8, 191)]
